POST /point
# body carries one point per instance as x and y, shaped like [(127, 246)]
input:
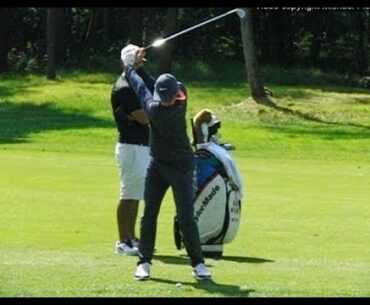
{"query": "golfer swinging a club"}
[(171, 165)]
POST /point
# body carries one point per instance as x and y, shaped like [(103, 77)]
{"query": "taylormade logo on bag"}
[(205, 202)]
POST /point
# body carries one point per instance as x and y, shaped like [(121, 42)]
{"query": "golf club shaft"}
[(194, 27)]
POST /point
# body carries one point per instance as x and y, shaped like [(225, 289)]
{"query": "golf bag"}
[(217, 206)]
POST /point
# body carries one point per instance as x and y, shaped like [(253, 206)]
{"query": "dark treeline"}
[(334, 40)]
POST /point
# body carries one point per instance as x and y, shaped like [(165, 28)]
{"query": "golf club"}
[(159, 42)]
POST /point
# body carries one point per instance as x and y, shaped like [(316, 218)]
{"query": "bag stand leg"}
[(212, 251)]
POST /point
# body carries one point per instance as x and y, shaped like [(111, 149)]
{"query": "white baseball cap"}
[(128, 49)]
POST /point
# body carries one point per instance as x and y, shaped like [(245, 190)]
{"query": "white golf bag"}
[(217, 204)]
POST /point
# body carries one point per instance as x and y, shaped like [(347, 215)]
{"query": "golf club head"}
[(156, 43), (240, 12)]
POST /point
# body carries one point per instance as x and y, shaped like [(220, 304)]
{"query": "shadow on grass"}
[(309, 117), (184, 260), (17, 121), (245, 259), (322, 132), (362, 100), (173, 260), (211, 287)]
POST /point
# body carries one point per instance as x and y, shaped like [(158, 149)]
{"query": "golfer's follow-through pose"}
[(171, 164)]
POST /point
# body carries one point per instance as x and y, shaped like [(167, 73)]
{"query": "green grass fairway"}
[(305, 227)]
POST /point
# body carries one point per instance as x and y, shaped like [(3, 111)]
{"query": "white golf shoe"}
[(200, 272), (126, 248), (142, 272)]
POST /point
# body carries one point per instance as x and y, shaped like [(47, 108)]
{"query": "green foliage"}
[(326, 40)]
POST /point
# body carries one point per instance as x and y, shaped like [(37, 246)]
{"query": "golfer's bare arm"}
[(139, 116)]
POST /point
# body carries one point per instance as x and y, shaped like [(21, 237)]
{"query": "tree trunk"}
[(106, 14), (4, 37), (136, 26), (257, 89), (361, 53), (319, 22), (90, 27), (60, 34), (275, 38), (50, 42), (165, 53)]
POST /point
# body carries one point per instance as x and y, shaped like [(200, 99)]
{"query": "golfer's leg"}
[(184, 194), (155, 189)]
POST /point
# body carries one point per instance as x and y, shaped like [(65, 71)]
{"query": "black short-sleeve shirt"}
[(124, 101)]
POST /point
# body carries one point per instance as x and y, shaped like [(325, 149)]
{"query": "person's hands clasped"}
[(139, 57), (133, 55)]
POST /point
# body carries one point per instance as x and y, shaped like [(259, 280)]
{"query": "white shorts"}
[(133, 161)]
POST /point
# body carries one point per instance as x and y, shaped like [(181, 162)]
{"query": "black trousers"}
[(158, 179)]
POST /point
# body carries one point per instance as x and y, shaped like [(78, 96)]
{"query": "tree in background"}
[(51, 40), (319, 23), (91, 38), (255, 82), (165, 54), (363, 28), (136, 26), (4, 36)]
